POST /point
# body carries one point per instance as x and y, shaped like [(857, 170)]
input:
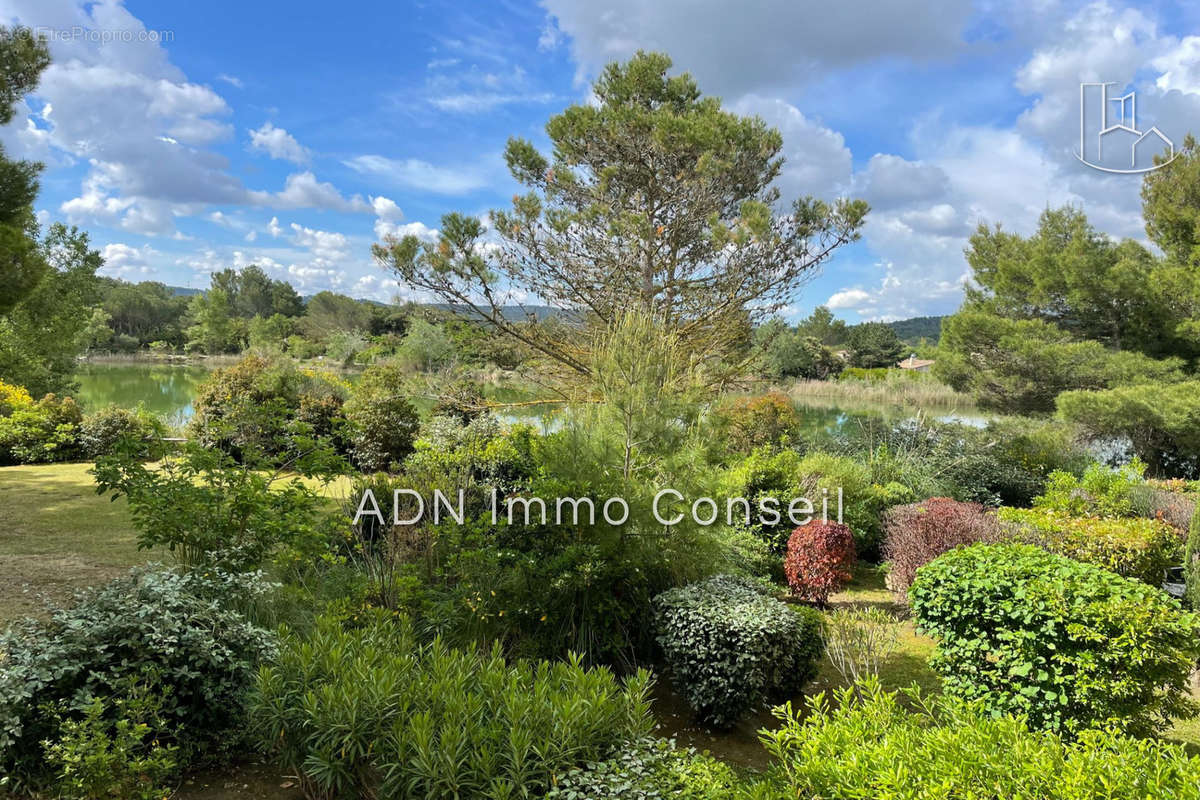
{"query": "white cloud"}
[(817, 160), (414, 173), (386, 208), (326, 245), (303, 190), (273, 227), (125, 110), (847, 298), (383, 229), (232, 80), (124, 261), (279, 144), (760, 44)]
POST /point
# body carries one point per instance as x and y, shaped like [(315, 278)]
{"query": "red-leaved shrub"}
[(819, 558), (920, 532)]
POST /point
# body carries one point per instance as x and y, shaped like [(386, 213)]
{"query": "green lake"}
[(164, 389), (168, 390)]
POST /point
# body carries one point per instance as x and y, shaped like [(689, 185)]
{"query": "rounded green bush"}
[(731, 646), (1066, 644)]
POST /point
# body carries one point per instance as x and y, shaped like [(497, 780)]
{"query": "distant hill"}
[(918, 328), (183, 291), (511, 313)]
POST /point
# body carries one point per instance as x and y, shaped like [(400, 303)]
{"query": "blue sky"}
[(295, 135)]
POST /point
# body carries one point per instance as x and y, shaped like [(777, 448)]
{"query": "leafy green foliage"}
[(372, 712), (115, 752), (1068, 274), (731, 646), (866, 743), (1192, 562), (1141, 549), (743, 424), (1021, 365), (43, 432), (23, 57), (382, 423), (1068, 645), (170, 632), (262, 406), (1102, 491), (210, 510), (1006, 462), (102, 431), (789, 353), (41, 338), (649, 769), (214, 329)]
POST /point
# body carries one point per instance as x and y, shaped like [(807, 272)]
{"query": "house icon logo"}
[(1110, 140)]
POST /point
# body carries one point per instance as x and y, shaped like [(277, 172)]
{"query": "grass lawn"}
[(57, 535)]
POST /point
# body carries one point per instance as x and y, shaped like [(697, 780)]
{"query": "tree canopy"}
[(653, 197), (23, 57)]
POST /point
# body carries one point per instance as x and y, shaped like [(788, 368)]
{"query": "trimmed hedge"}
[(731, 646), (819, 558), (867, 744), (920, 532), (1069, 645), (1136, 548)]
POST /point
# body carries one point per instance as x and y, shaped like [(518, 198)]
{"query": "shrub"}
[(13, 397), (730, 646), (162, 629), (1192, 562), (99, 757), (766, 473), (920, 532), (209, 510), (819, 558), (1159, 419), (868, 745), (41, 433), (1141, 549), (369, 712), (1005, 463), (649, 769), (382, 422), (746, 423), (824, 475), (1068, 645), (1172, 507), (1102, 491), (260, 405), (101, 430)]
